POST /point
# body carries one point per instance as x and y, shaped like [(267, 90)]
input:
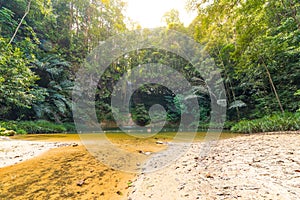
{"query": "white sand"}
[(15, 151), (249, 167)]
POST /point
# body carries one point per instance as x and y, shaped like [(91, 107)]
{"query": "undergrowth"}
[(271, 123)]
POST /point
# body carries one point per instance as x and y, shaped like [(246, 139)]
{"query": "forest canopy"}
[(43, 43)]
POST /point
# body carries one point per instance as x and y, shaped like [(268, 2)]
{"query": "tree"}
[(16, 80), (51, 39), (56, 83), (255, 44), (172, 20), (21, 21)]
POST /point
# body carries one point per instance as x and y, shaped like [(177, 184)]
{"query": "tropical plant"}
[(256, 44), (140, 115), (276, 122), (298, 94), (16, 80), (39, 126), (56, 83)]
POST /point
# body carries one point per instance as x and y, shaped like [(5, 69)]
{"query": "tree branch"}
[(19, 25)]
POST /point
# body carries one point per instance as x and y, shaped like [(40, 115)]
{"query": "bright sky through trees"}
[(148, 13)]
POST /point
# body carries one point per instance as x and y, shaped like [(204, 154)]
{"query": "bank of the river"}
[(260, 166), (15, 151), (55, 173), (61, 173)]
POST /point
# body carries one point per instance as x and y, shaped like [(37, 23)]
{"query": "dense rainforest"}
[(254, 43)]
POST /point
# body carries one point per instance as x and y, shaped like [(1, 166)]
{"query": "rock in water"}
[(159, 142)]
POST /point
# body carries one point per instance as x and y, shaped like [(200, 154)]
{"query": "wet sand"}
[(63, 172), (72, 172)]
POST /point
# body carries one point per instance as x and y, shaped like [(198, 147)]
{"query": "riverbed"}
[(71, 172)]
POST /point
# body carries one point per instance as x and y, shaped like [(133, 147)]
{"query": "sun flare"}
[(149, 13)]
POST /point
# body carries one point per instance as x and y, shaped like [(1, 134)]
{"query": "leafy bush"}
[(56, 85), (228, 125), (270, 123), (140, 115), (9, 125), (2, 131), (7, 133), (70, 127), (16, 79), (298, 94), (40, 126)]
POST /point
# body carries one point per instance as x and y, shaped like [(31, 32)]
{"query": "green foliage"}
[(57, 86), (70, 127), (229, 124), (4, 132), (16, 79), (7, 23), (298, 94), (276, 122), (49, 46), (174, 108), (256, 44), (40, 126), (237, 104), (172, 20), (140, 115)]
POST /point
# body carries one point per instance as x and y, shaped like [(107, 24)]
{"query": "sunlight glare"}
[(149, 13)]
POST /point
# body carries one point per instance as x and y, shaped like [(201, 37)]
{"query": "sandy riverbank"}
[(63, 172), (263, 166), (15, 151)]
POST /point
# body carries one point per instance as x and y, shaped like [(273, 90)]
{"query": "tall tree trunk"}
[(273, 86), (77, 21), (230, 88), (71, 17), (19, 25)]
